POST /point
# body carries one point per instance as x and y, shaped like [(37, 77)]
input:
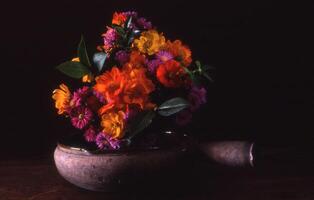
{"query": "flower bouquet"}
[(135, 75)]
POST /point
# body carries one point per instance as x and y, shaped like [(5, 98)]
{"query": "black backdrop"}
[(262, 52)]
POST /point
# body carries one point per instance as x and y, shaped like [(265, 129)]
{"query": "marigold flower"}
[(62, 98), (149, 42), (180, 52), (138, 88), (113, 124), (110, 84), (171, 74), (119, 18)]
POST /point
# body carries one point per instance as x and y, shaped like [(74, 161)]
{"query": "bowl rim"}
[(83, 151)]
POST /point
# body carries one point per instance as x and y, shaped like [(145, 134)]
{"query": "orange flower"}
[(149, 42), (110, 84), (119, 18), (62, 97), (171, 74), (113, 124), (138, 88), (181, 52), (137, 59)]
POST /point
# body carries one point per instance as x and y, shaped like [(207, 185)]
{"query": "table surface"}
[(38, 179)]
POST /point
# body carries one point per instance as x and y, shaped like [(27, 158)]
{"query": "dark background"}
[(262, 52)]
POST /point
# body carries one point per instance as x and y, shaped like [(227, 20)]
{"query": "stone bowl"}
[(112, 171)]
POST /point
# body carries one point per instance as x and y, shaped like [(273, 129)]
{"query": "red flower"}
[(171, 74)]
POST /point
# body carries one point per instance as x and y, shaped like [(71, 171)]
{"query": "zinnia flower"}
[(90, 134), (180, 52), (113, 124), (62, 98), (80, 117), (110, 84), (149, 42), (197, 97), (101, 141), (78, 96), (171, 74)]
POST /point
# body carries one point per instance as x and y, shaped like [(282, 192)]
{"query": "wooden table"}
[(38, 179)]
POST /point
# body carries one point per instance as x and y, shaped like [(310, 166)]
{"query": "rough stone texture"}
[(113, 171)]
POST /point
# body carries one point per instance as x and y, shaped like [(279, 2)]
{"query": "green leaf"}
[(128, 22), (140, 122), (73, 69), (172, 106), (99, 60), (82, 53)]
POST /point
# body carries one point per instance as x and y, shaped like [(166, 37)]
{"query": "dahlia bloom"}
[(78, 96), (149, 42)]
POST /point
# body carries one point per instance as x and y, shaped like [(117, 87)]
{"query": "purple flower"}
[(80, 117), (184, 117), (197, 97), (99, 96), (144, 24), (79, 95), (104, 141), (132, 14), (90, 134), (101, 141), (164, 56), (152, 65), (122, 57)]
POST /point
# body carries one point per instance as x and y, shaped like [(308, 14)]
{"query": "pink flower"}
[(144, 24), (109, 38), (79, 95), (80, 117), (164, 56), (197, 97), (90, 134)]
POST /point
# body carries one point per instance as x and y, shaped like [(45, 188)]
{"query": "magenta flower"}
[(80, 117), (109, 38), (90, 134), (144, 24), (184, 117), (103, 141), (122, 57), (164, 56), (152, 65), (197, 97), (79, 95)]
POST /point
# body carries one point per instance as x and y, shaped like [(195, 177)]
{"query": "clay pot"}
[(121, 170)]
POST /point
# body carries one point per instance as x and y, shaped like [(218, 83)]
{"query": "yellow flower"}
[(113, 124), (62, 98), (149, 42)]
